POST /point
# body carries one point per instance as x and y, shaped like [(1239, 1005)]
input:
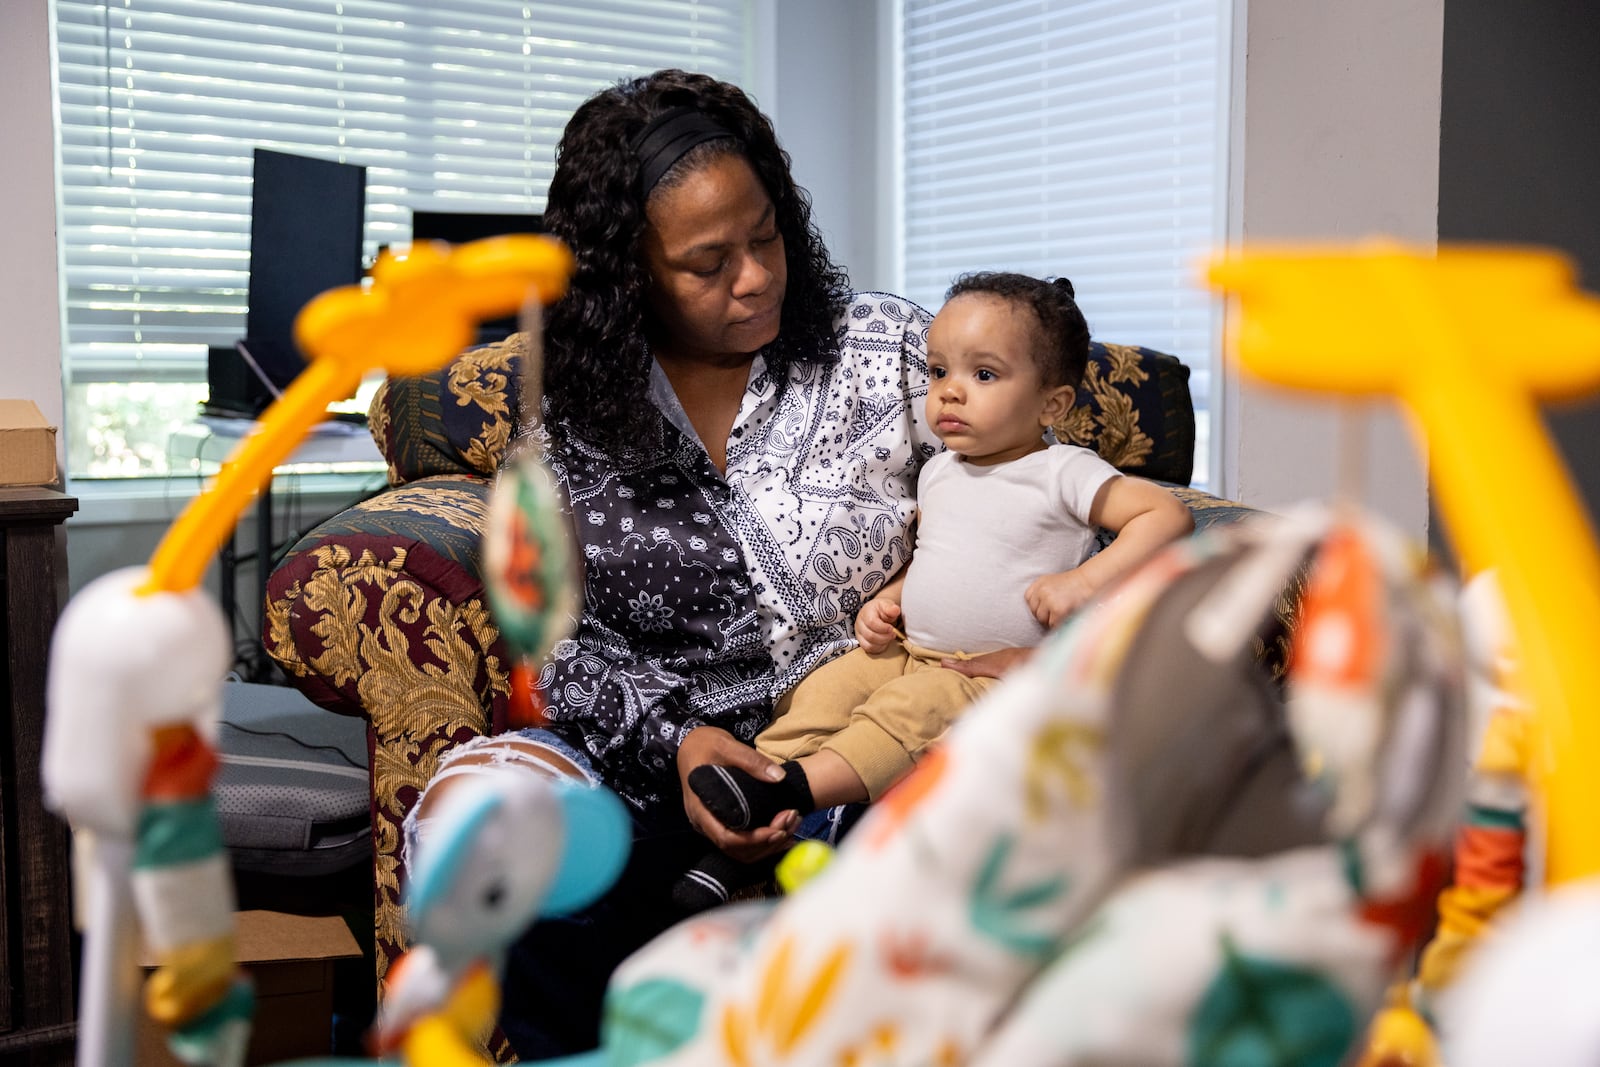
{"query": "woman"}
[(739, 440)]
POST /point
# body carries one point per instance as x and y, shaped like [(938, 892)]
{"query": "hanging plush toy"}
[(500, 850), (531, 571)]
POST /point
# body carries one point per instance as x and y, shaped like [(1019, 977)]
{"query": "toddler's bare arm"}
[(1143, 515)]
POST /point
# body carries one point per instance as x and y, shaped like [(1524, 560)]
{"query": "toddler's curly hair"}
[(1061, 337)]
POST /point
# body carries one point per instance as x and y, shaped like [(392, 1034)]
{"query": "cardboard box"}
[(27, 445), (290, 958)]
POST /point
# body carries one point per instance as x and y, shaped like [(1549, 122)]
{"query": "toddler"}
[(1006, 527)]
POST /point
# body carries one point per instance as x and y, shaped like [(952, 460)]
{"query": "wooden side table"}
[(36, 1004)]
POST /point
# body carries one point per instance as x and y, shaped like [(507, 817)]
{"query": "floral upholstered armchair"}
[(380, 611)]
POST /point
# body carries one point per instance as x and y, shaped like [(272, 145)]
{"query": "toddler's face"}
[(986, 397)]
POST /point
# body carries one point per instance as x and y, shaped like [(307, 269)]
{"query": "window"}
[(1083, 138), (449, 106)]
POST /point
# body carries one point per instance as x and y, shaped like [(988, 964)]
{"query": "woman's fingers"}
[(748, 760), (708, 744), (769, 839), (711, 745), (747, 846)]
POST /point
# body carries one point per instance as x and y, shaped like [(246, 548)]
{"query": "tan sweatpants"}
[(878, 711)]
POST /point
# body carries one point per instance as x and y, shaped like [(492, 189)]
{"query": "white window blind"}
[(1082, 138), (450, 105)]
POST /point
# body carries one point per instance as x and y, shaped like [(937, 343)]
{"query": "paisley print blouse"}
[(707, 595)]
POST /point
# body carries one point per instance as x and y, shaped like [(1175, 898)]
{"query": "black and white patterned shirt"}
[(707, 595)]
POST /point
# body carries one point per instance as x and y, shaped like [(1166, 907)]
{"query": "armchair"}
[(380, 611)]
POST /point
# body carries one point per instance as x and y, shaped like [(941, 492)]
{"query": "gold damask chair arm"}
[(380, 612)]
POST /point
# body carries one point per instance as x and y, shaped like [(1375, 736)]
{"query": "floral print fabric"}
[(1073, 878)]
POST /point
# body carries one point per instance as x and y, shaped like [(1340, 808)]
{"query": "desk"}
[(36, 1011), (331, 448)]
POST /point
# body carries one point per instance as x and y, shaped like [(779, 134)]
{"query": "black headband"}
[(667, 138)]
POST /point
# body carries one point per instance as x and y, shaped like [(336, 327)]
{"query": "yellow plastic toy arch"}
[(420, 311), (1469, 340)]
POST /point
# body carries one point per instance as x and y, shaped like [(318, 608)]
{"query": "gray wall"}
[(1335, 134), (826, 84), (1519, 154)]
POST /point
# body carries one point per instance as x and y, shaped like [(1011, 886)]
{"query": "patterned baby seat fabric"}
[(1132, 851)]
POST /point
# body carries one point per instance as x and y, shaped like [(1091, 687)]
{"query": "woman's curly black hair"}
[(597, 361), (1061, 350)]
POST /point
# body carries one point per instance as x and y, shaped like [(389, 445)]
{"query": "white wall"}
[(823, 94), (30, 302), (107, 532), (1335, 136)]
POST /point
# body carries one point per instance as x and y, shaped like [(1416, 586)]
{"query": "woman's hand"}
[(990, 664), (1055, 596), (708, 744), (875, 624)]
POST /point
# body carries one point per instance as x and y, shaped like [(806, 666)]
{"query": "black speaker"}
[(236, 390), (306, 219)]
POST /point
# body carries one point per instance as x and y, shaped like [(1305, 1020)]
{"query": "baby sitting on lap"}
[(1006, 526)]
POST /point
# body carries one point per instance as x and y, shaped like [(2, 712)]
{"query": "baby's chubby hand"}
[(875, 624), (1055, 596)]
